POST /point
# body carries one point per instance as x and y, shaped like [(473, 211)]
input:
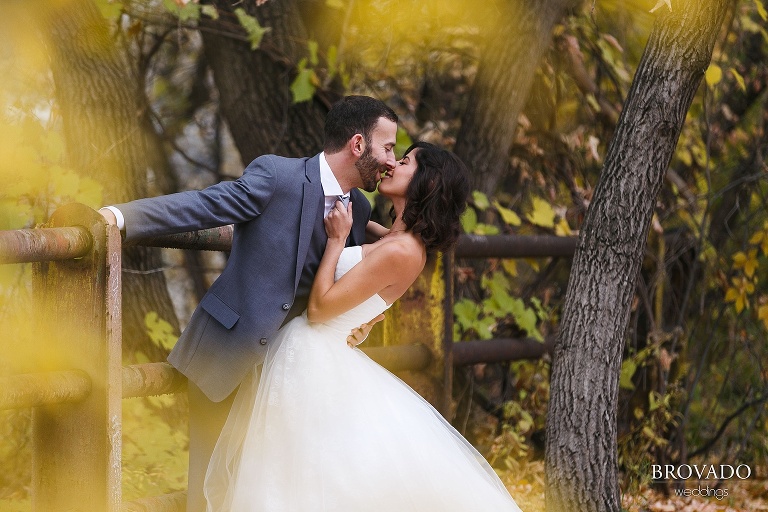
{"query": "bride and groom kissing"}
[(285, 413)]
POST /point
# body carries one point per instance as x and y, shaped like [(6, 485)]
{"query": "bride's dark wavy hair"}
[(436, 196)]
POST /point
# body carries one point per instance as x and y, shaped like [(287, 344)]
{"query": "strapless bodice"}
[(362, 313)]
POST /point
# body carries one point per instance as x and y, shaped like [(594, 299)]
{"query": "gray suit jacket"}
[(274, 207)]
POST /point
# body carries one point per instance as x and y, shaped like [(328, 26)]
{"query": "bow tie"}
[(344, 199)]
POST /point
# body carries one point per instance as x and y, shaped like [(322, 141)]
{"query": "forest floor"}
[(526, 484)]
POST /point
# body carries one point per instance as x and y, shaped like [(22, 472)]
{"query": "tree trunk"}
[(581, 462), (254, 85), (504, 77), (109, 138)]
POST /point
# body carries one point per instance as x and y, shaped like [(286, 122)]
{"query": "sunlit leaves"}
[(34, 180), (481, 318)]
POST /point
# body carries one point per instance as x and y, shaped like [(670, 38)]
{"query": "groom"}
[(277, 207)]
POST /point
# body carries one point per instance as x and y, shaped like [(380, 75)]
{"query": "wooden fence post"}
[(76, 446)]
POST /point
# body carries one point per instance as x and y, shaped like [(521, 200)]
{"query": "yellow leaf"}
[(542, 215), (713, 75), (732, 295), (761, 10), (757, 238), (739, 79), (507, 215), (762, 314), (751, 264), (562, 228), (510, 266)]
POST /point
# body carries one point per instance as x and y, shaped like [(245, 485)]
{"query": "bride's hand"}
[(359, 334), (338, 222)]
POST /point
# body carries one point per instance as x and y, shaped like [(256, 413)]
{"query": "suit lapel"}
[(313, 192)]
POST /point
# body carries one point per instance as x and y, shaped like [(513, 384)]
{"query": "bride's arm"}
[(329, 299), (374, 231)]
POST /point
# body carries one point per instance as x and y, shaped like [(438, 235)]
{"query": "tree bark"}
[(507, 68), (109, 138), (581, 461), (255, 97)]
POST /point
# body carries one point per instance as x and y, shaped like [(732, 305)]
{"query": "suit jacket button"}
[(263, 341), (286, 306)]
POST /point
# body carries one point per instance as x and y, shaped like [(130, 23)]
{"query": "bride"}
[(321, 427)]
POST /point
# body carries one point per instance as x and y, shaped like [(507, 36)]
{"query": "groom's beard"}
[(369, 168)]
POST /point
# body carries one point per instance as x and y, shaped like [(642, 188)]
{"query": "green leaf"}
[(312, 47), (190, 11), (526, 319), (486, 229), (302, 87), (252, 27), (210, 11), (403, 140), (628, 368), (469, 220), (654, 401), (467, 313), (480, 199)]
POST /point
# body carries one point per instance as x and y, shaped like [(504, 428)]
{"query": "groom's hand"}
[(108, 216), (358, 334)]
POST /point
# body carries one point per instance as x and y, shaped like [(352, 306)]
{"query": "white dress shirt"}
[(331, 187)]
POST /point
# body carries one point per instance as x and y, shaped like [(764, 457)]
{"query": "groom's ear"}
[(357, 145)]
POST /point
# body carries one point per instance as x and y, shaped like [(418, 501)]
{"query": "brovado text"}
[(702, 472)]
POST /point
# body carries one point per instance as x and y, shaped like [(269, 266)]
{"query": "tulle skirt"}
[(321, 427)]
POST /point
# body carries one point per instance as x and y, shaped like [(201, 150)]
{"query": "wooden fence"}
[(76, 397)]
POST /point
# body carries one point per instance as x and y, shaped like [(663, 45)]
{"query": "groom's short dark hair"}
[(352, 115)]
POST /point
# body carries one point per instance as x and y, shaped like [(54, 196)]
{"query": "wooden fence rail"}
[(76, 397)]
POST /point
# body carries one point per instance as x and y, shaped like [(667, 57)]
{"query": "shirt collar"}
[(329, 182)]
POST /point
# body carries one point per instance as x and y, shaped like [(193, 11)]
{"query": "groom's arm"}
[(227, 202)]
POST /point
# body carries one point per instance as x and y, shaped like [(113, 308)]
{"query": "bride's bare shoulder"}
[(401, 252)]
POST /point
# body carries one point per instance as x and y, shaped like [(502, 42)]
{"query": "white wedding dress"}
[(324, 428)]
